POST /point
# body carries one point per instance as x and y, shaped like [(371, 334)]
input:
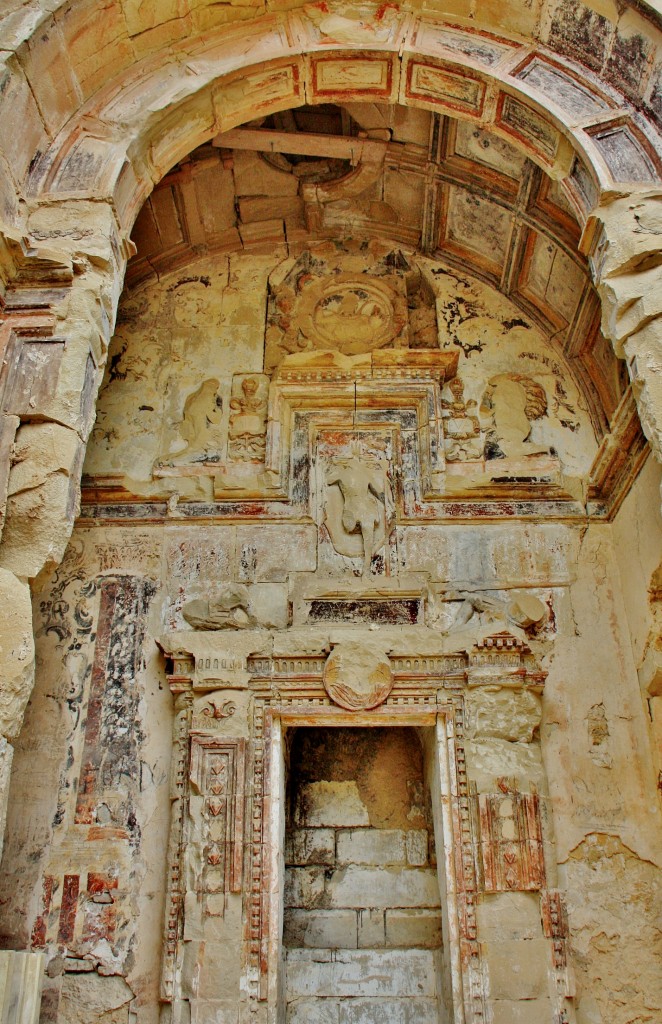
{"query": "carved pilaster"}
[(178, 774)]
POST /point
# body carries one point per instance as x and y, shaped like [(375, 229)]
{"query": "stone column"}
[(21, 977)]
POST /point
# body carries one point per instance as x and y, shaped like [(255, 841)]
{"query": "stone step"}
[(369, 929), (364, 1011), (366, 973)]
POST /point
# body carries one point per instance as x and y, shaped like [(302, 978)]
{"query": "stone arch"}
[(110, 141), (82, 179)]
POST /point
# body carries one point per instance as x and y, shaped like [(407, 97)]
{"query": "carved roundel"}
[(354, 315), (357, 677)]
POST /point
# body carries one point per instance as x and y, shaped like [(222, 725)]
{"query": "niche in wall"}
[(362, 936)]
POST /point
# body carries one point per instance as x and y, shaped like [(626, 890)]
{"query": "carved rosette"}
[(357, 677)]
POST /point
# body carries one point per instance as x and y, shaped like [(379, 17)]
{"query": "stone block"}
[(518, 969), (221, 985), (371, 932), (310, 846), (416, 887), (16, 652), (304, 887), (88, 997), (221, 1011), (22, 131), (364, 973), (373, 1011), (279, 550), (317, 956), (21, 976), (51, 79), (371, 846), (488, 759), (335, 804), (42, 497), (422, 1011), (313, 1011), (363, 1011), (269, 604), (419, 928), (511, 715), (320, 929), (526, 1011), (417, 847), (6, 757), (509, 915)]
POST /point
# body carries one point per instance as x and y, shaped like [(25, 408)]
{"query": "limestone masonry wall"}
[(330, 527)]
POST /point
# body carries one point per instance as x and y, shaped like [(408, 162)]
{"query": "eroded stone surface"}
[(205, 472), (17, 652)]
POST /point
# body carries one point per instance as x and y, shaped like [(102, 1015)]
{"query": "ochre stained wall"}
[(86, 863)]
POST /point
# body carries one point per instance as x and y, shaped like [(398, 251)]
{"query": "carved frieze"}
[(510, 842)]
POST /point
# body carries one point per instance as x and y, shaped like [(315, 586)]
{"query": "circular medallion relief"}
[(357, 677), (353, 316)]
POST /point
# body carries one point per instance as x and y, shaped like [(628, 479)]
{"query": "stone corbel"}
[(358, 181), (504, 687), (213, 659), (503, 661)]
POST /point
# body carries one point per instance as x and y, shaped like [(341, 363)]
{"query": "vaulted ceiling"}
[(429, 183)]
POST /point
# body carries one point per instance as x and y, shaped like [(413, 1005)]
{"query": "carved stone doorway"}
[(363, 921), (362, 930)]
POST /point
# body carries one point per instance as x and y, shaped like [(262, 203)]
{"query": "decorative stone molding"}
[(493, 841)]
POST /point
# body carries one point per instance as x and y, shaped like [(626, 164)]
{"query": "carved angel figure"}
[(461, 425)]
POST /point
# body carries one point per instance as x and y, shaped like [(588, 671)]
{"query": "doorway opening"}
[(362, 927)]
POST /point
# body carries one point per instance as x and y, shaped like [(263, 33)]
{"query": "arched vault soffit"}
[(100, 106), (107, 112)]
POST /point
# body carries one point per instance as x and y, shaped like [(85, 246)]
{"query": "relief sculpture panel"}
[(355, 508), (349, 301), (248, 418)]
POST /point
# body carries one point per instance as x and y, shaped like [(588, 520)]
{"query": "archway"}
[(76, 234)]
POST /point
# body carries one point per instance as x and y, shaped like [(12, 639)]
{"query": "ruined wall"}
[(86, 871)]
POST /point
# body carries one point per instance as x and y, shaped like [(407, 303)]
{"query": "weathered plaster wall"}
[(87, 872), (637, 534), (84, 875), (214, 315), (598, 756), (601, 798)]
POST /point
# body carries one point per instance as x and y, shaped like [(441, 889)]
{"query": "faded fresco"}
[(281, 540)]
